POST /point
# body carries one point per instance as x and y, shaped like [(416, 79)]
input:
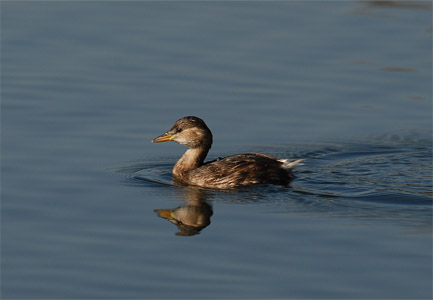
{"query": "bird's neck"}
[(191, 159)]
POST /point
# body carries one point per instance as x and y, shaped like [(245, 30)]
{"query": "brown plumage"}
[(229, 172)]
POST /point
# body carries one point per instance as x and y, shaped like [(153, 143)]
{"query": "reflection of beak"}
[(163, 138), (165, 213)]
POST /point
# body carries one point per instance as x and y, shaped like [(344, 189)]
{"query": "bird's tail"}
[(289, 164)]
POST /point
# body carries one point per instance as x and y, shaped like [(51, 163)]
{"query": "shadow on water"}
[(384, 179), (377, 4), (386, 8)]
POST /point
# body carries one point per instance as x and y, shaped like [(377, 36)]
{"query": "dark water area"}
[(88, 206)]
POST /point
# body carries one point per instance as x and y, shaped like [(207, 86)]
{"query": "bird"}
[(223, 173)]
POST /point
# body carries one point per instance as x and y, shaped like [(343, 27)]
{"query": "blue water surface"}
[(88, 206)]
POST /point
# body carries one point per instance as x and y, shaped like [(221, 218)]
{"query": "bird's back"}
[(240, 170)]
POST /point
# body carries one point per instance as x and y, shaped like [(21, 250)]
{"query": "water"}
[(344, 85)]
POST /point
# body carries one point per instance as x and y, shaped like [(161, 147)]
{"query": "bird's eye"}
[(178, 130)]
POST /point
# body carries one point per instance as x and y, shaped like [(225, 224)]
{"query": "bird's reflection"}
[(191, 217)]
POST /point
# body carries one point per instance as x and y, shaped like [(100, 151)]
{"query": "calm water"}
[(86, 85)]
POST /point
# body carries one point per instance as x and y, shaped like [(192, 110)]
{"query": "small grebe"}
[(229, 172)]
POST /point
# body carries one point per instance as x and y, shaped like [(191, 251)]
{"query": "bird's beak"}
[(163, 138)]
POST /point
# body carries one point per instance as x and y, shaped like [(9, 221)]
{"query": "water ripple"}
[(397, 174), (391, 180)]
